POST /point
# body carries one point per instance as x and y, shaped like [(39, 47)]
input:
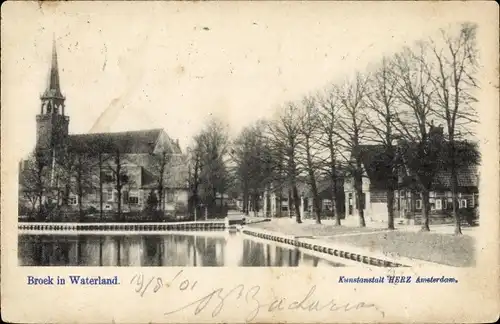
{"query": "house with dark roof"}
[(144, 157), (408, 201)]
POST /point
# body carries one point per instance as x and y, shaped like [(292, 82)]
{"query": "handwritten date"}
[(218, 298)]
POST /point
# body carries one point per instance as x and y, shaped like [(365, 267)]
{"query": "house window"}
[(439, 204), (107, 194), (170, 196), (445, 203), (418, 204), (72, 200), (133, 198), (107, 176), (463, 203), (361, 204), (327, 204)]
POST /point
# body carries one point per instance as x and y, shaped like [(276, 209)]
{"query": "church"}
[(122, 172)]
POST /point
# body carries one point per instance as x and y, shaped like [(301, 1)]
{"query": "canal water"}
[(198, 249)]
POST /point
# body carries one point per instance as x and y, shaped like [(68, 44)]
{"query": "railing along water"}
[(121, 227)]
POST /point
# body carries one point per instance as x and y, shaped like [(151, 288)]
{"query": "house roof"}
[(131, 142), (372, 157), (467, 177)]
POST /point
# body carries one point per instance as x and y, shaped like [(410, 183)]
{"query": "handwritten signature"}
[(218, 298)]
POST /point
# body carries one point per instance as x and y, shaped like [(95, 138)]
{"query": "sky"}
[(137, 65)]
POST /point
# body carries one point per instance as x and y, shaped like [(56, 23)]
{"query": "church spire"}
[(53, 89)]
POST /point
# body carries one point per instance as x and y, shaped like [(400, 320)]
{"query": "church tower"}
[(52, 123)]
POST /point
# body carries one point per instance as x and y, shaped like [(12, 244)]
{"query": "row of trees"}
[(86, 167), (394, 106), (209, 176)]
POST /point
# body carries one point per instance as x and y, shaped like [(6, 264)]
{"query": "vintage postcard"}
[(234, 162)]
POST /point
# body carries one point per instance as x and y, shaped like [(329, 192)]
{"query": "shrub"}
[(92, 210), (152, 201)]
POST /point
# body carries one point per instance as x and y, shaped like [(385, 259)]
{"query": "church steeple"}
[(52, 123), (53, 89)]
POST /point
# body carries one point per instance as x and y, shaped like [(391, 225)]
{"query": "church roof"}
[(131, 142)]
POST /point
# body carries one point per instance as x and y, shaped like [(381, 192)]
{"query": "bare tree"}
[(420, 150), (454, 82), (66, 165), (160, 166), (309, 149), (115, 165), (242, 154), (352, 131), (195, 166), (381, 100), (253, 159), (211, 149), (83, 179), (329, 113), (34, 180), (284, 136), (76, 164)]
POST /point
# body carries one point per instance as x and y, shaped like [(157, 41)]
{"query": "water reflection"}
[(212, 249)]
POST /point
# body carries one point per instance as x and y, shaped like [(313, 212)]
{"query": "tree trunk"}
[(361, 212), (290, 198), (161, 201), (280, 203), (312, 180), (316, 204), (67, 190), (338, 202), (335, 208), (80, 196), (245, 201), (358, 184), (297, 204), (425, 211), (40, 206), (333, 174), (454, 194), (390, 208)]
